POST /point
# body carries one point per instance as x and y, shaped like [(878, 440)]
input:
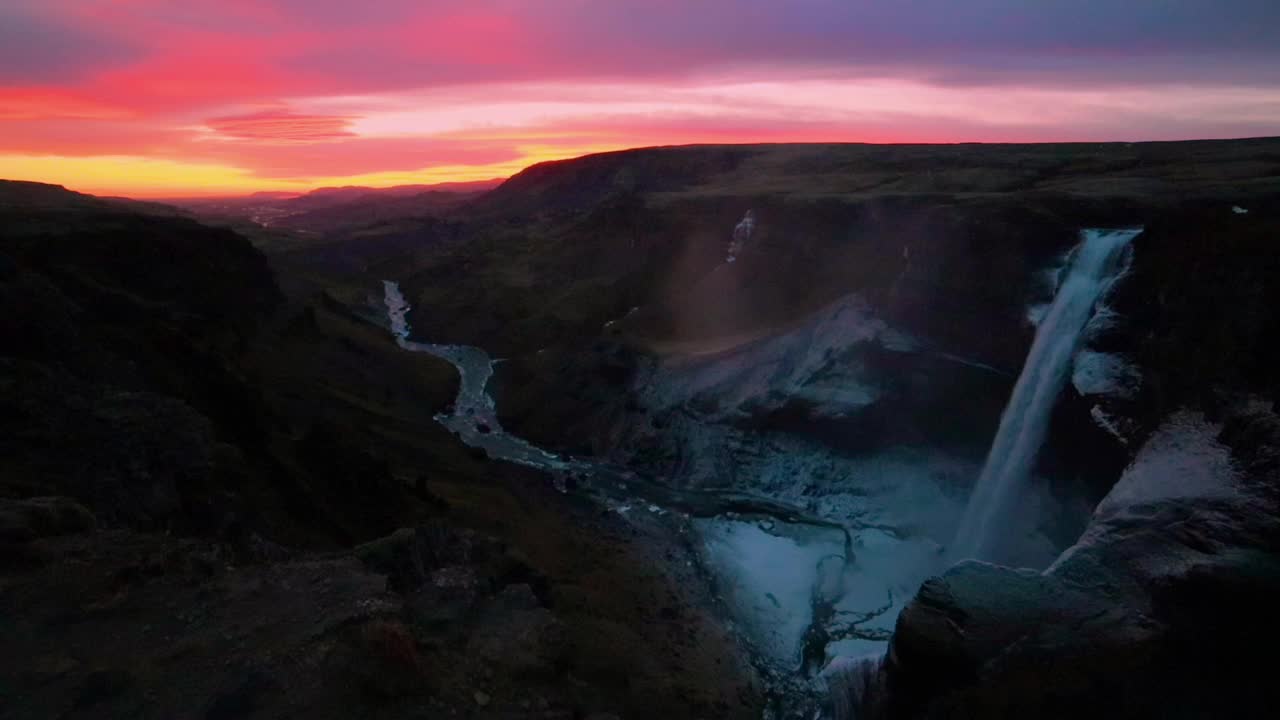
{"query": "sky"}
[(157, 98)]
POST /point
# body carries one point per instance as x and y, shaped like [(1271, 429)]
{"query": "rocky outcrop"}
[(1195, 316)]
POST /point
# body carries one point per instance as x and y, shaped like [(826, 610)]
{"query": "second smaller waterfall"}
[(1093, 265)]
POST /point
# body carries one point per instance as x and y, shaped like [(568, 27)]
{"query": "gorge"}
[(880, 408), (776, 431), (801, 579)]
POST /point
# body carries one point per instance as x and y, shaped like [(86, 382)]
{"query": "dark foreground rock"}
[(434, 621)]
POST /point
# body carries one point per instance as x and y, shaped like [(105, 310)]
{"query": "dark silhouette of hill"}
[(325, 211)]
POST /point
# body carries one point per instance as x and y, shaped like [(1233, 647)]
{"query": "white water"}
[(766, 572), (741, 235), (474, 417), (855, 686), (1023, 426)]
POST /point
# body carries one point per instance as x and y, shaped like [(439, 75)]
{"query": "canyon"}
[(712, 431)]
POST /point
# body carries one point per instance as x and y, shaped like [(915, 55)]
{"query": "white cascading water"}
[(856, 688), (1093, 266)]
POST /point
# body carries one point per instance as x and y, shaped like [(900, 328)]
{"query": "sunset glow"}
[(154, 98)]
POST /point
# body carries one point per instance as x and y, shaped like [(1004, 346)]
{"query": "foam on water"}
[(473, 416)]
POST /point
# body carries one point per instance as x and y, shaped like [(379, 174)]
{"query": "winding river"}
[(473, 416)]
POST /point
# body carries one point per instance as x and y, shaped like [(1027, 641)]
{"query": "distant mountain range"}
[(330, 195), (330, 209)]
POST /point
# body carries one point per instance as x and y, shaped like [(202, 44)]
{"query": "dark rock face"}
[(120, 334), (589, 405), (141, 367), (1197, 312), (988, 641)]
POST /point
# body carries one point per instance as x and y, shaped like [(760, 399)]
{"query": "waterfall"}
[(856, 688), (1093, 266)]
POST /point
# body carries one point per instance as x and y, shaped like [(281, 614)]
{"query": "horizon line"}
[(501, 179)]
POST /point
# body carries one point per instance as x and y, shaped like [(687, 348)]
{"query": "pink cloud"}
[(80, 138), (282, 126)]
